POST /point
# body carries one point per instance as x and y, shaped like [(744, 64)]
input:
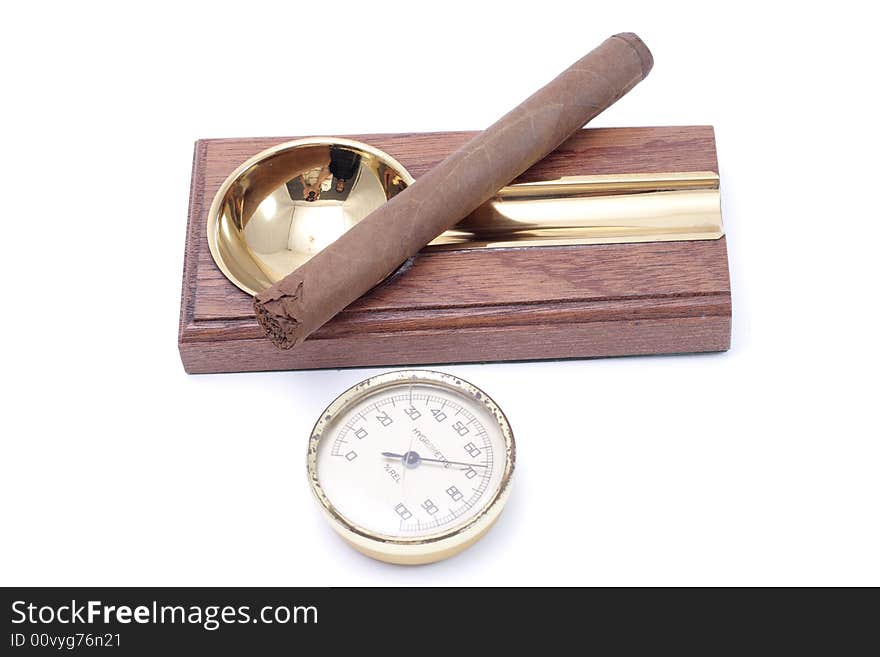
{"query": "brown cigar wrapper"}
[(307, 298)]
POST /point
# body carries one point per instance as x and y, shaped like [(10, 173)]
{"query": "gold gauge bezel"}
[(420, 549)]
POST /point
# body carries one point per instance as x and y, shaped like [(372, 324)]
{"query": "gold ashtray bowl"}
[(285, 204)]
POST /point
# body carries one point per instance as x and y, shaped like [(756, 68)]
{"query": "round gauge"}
[(411, 466)]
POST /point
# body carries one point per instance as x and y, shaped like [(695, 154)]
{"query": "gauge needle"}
[(392, 455)]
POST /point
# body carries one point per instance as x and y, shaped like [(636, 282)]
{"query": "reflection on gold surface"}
[(287, 203), (284, 205), (594, 210)]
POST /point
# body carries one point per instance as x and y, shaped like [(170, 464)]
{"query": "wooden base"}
[(491, 305)]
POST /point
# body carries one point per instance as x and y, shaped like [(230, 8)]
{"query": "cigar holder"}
[(611, 245), (283, 205)]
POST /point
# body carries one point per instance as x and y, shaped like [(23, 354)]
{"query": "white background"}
[(756, 466)]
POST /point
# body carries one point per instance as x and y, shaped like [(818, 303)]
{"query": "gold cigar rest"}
[(611, 245), (283, 205)]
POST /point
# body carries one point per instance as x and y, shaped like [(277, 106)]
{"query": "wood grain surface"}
[(491, 305)]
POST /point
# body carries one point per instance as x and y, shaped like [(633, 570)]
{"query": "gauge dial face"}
[(421, 455)]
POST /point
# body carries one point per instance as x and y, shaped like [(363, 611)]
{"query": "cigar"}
[(376, 246)]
